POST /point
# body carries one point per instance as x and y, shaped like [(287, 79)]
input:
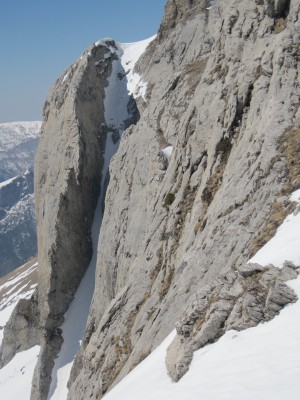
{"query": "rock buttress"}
[(67, 182)]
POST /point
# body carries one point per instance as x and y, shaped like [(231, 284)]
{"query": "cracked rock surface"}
[(239, 300)]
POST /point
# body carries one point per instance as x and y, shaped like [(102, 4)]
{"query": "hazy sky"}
[(39, 39)]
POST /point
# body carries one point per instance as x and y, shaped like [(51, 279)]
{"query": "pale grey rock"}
[(179, 11), (67, 182), (69, 166), (249, 269), (222, 89)]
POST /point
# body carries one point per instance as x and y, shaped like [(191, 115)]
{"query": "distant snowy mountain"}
[(17, 222), (18, 143)]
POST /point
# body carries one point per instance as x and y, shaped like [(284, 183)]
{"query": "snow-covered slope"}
[(18, 143), (15, 377), (14, 286), (261, 363)]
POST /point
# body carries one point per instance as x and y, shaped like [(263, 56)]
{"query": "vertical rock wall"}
[(67, 182)]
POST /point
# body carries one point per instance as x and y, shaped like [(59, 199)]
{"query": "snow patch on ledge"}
[(167, 152), (7, 182), (65, 77), (131, 53)]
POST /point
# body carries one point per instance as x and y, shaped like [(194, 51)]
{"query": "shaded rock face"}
[(222, 89), (240, 299), (67, 183)]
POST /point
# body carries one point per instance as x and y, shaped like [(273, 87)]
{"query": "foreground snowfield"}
[(261, 363), (19, 284), (15, 377)]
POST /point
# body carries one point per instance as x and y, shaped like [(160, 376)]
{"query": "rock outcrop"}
[(239, 300), (22, 330), (81, 132), (67, 185)]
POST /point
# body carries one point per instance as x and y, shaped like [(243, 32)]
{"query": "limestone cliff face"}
[(68, 171), (179, 11), (223, 90)]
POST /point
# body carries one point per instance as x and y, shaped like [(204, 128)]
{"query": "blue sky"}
[(39, 39)]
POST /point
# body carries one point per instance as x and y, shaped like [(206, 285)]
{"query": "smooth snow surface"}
[(261, 363), (286, 244), (16, 376)]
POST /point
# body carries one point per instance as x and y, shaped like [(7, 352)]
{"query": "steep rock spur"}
[(68, 171), (85, 113)]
